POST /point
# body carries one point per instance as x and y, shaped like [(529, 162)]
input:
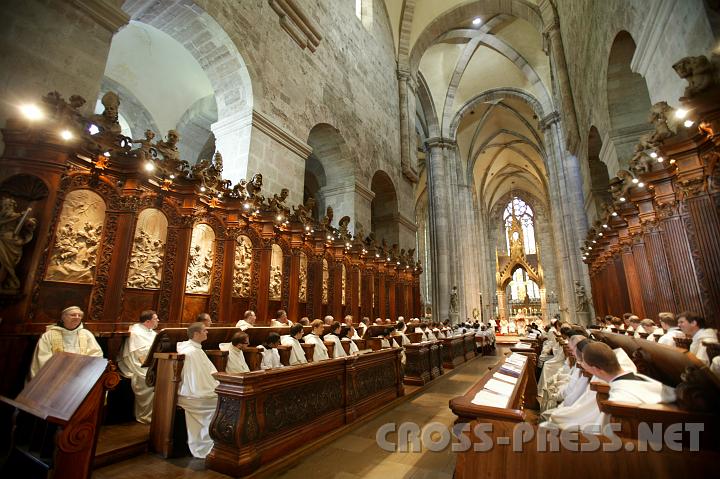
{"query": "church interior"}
[(359, 238)]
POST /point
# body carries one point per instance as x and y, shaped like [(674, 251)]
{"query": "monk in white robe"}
[(281, 321), (68, 335), (693, 325), (132, 357), (320, 352), (270, 354), (333, 337), (196, 393), (297, 353), (550, 391), (236, 362), (248, 320)]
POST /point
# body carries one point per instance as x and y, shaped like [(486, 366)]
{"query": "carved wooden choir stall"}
[(657, 245)]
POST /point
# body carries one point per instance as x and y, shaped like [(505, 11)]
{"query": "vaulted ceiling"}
[(484, 84)]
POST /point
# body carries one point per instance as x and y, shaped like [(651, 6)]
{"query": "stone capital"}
[(549, 120), (105, 12), (440, 142)]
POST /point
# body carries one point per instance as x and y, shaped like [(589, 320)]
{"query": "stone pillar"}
[(570, 223), (408, 151), (543, 305), (232, 140), (440, 225), (554, 47), (502, 312), (62, 46)]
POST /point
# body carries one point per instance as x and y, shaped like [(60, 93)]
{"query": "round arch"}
[(384, 208)]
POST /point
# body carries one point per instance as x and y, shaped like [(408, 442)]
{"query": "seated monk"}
[(669, 323), (236, 359), (68, 335), (297, 354), (196, 393), (320, 352), (132, 357), (281, 321), (625, 386), (584, 412), (693, 325), (653, 331), (205, 318), (305, 321), (348, 333), (270, 354), (549, 393), (333, 337), (248, 320)]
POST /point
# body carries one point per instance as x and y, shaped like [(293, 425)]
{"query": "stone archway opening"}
[(599, 178), (329, 172), (384, 209), (628, 101)]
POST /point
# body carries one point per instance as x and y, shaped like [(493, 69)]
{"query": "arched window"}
[(524, 214)]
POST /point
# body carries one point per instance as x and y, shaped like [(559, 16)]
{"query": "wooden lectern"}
[(58, 417)]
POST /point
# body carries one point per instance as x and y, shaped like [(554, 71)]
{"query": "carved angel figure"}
[(171, 163), (144, 152), (640, 162), (699, 73), (662, 118), (277, 202), (253, 188), (304, 212)]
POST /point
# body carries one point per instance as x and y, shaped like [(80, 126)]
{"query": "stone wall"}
[(664, 31), (349, 82)]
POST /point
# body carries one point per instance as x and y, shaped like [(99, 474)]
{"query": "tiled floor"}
[(352, 455)]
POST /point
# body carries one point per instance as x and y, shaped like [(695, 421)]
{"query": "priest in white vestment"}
[(132, 357), (196, 393), (68, 335), (297, 353), (693, 325), (236, 362), (248, 320), (320, 352)]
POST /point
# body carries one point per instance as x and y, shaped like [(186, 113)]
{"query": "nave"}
[(353, 454)]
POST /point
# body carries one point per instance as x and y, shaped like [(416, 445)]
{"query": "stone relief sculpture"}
[(325, 279), (276, 273), (77, 239), (302, 292), (16, 230), (146, 260), (343, 282), (581, 299), (242, 278), (200, 265)]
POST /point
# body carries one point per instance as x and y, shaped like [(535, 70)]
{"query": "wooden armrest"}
[(169, 356)]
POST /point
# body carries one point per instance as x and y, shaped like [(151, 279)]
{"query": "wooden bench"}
[(261, 416)]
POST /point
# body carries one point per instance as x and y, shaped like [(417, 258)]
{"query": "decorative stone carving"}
[(325, 280), (276, 273), (454, 300), (200, 265), (699, 72), (641, 162), (581, 299), (663, 119), (242, 278), (77, 239), (16, 230), (326, 222), (302, 291), (253, 188), (146, 260), (146, 150), (209, 173)]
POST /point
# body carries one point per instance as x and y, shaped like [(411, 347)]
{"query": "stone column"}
[(408, 152), (502, 312), (439, 224), (232, 140), (554, 47), (543, 306)]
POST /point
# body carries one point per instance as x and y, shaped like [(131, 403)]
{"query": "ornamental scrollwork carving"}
[(303, 278), (225, 421), (302, 404)]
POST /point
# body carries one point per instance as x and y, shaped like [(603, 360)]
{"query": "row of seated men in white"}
[(196, 393), (566, 399)]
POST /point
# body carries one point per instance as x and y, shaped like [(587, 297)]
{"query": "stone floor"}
[(352, 455)]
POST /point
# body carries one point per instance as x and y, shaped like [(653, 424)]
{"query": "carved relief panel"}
[(302, 291), (77, 239), (200, 264), (242, 278), (146, 260), (325, 279), (344, 282), (276, 273)]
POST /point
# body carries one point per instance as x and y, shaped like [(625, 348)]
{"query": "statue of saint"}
[(16, 230), (454, 300), (581, 299)]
